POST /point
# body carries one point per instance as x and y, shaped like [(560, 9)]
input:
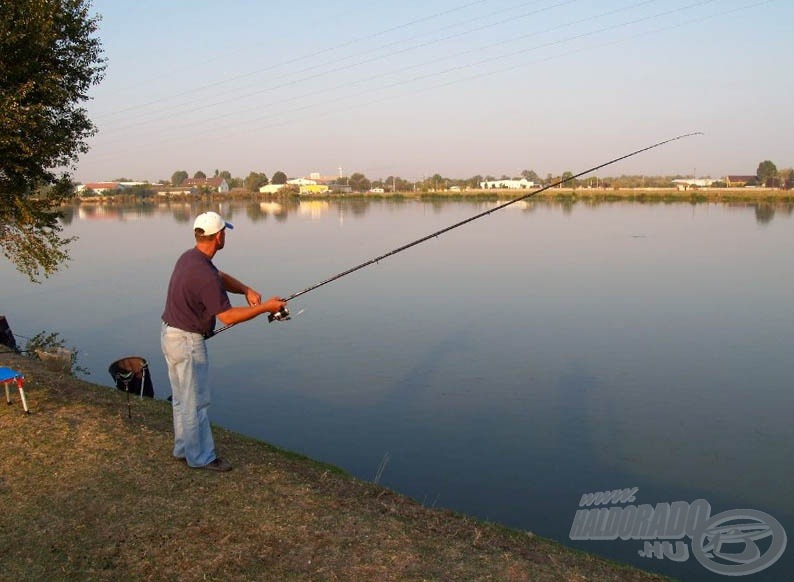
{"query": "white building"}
[(686, 183), (271, 188), (521, 184)]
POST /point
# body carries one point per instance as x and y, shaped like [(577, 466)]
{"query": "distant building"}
[(314, 184), (175, 191), (320, 179), (100, 187), (302, 182), (305, 186), (686, 183), (340, 188), (107, 187), (739, 181), (271, 188), (215, 184), (521, 184), (314, 189)]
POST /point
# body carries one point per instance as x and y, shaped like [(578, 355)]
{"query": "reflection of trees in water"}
[(395, 202), (764, 213), (184, 211), (182, 214), (358, 207), (255, 212), (140, 209), (67, 214)]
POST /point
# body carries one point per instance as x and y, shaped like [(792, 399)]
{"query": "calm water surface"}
[(502, 370)]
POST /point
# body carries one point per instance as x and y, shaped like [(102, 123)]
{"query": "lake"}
[(504, 369)]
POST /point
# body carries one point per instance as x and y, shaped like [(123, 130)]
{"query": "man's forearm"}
[(236, 315)]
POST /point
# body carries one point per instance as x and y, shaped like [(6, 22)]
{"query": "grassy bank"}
[(725, 195), (91, 494), (602, 194)]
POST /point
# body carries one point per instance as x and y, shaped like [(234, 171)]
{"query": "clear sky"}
[(455, 87)]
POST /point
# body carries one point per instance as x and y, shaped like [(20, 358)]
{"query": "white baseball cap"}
[(210, 223)]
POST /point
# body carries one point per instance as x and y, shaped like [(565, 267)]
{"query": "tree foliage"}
[(787, 178), (279, 178), (178, 177), (49, 58), (199, 175), (532, 176), (766, 173), (358, 182), (397, 184), (255, 181)]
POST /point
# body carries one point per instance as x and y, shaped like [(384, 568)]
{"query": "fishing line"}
[(284, 314)]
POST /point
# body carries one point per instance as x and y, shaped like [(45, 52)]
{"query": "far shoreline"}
[(642, 195)]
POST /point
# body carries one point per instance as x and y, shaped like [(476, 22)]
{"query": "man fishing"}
[(197, 294)]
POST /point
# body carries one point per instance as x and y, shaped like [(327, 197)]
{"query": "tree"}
[(787, 178), (49, 58), (139, 191), (199, 175), (396, 184), (475, 181), (531, 176), (255, 181), (434, 182), (279, 178), (178, 177), (359, 183), (766, 173)]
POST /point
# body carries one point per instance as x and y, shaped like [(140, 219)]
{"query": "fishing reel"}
[(280, 315)]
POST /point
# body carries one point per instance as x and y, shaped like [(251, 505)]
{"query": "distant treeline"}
[(767, 175)]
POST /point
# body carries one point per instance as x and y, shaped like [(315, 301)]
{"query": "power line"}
[(282, 121), (322, 51), (349, 84), (164, 114), (437, 73)]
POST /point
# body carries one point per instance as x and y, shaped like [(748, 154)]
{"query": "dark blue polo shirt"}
[(195, 294)]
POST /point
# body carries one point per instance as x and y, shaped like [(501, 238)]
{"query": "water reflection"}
[(183, 211), (764, 213), (557, 348)]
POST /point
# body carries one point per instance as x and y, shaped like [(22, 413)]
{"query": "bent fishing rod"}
[(284, 315)]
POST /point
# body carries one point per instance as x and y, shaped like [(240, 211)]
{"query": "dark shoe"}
[(218, 465)]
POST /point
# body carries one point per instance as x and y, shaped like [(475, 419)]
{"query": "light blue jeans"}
[(188, 370)]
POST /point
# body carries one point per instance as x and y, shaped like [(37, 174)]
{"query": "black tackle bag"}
[(132, 374)]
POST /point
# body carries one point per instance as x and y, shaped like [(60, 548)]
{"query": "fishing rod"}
[(284, 314)]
